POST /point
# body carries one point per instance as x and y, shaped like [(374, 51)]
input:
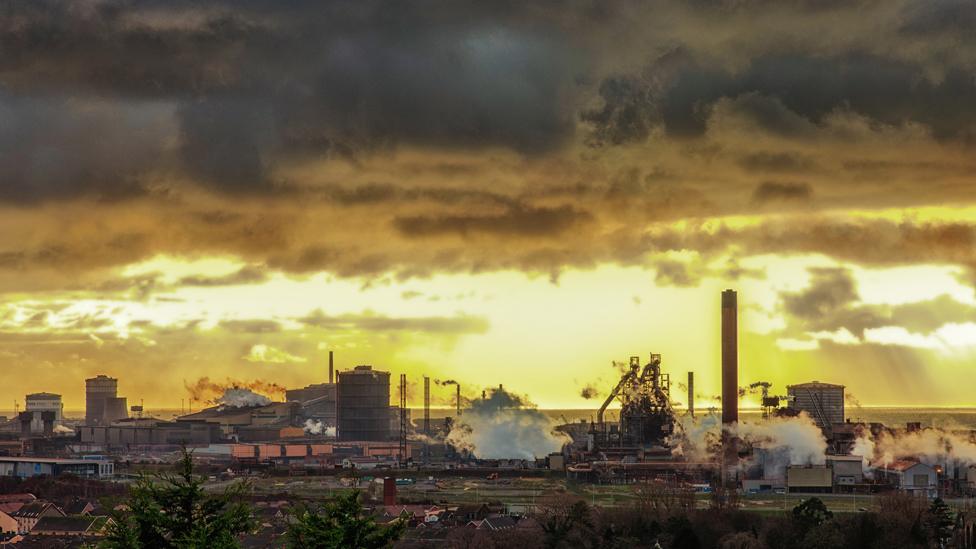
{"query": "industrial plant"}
[(801, 442)]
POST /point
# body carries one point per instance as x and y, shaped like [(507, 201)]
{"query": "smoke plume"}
[(503, 425), (63, 430), (783, 441), (315, 427), (931, 446), (206, 390), (589, 392), (241, 398)]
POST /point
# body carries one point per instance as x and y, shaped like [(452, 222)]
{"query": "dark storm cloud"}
[(64, 148), (251, 326), (250, 274), (781, 190), (675, 273), (939, 17), (764, 161), (364, 138), (782, 93), (830, 289), (517, 221), (831, 302), (256, 84)]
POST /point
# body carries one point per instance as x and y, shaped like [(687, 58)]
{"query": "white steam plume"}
[(315, 427), (785, 440), (930, 446), (240, 398), (504, 426)]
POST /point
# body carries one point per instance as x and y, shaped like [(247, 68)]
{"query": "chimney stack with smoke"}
[(730, 359), (331, 370), (691, 394)]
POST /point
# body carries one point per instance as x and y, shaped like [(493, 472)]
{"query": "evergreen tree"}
[(940, 522), (172, 511), (341, 524)]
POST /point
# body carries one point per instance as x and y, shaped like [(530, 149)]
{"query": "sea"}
[(892, 416)]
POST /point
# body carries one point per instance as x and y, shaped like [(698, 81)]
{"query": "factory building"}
[(102, 402), (363, 404), (910, 476), (123, 435), (231, 419), (809, 479), (824, 402), (37, 404), (318, 401), (35, 466)]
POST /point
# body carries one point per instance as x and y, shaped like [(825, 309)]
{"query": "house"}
[(79, 507), (24, 498), (10, 507), (470, 512), (910, 476), (8, 524), (412, 514), (70, 526), (28, 515), (495, 523)]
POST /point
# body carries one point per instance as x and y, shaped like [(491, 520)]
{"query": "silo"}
[(363, 404)]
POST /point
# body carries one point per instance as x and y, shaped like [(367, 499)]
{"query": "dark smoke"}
[(589, 392), (206, 390)]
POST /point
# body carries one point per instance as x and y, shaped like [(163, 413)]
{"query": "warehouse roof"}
[(815, 385)]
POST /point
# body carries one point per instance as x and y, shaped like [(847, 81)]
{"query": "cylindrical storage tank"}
[(363, 404)]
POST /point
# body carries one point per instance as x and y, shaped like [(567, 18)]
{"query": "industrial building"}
[(122, 435), (646, 417), (824, 402), (910, 476), (36, 466), (363, 404), (102, 402), (318, 400), (37, 404)]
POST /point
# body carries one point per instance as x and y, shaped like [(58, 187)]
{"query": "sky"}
[(491, 192)]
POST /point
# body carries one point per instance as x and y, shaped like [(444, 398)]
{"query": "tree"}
[(172, 511), (566, 522), (341, 524), (939, 521), (812, 512)]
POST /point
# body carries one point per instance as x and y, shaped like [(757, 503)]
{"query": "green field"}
[(523, 494)]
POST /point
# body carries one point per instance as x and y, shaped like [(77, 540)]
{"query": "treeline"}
[(173, 511)]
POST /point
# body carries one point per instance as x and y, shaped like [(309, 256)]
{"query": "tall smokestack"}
[(730, 358), (691, 394), (426, 405), (331, 370), (458, 387)]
